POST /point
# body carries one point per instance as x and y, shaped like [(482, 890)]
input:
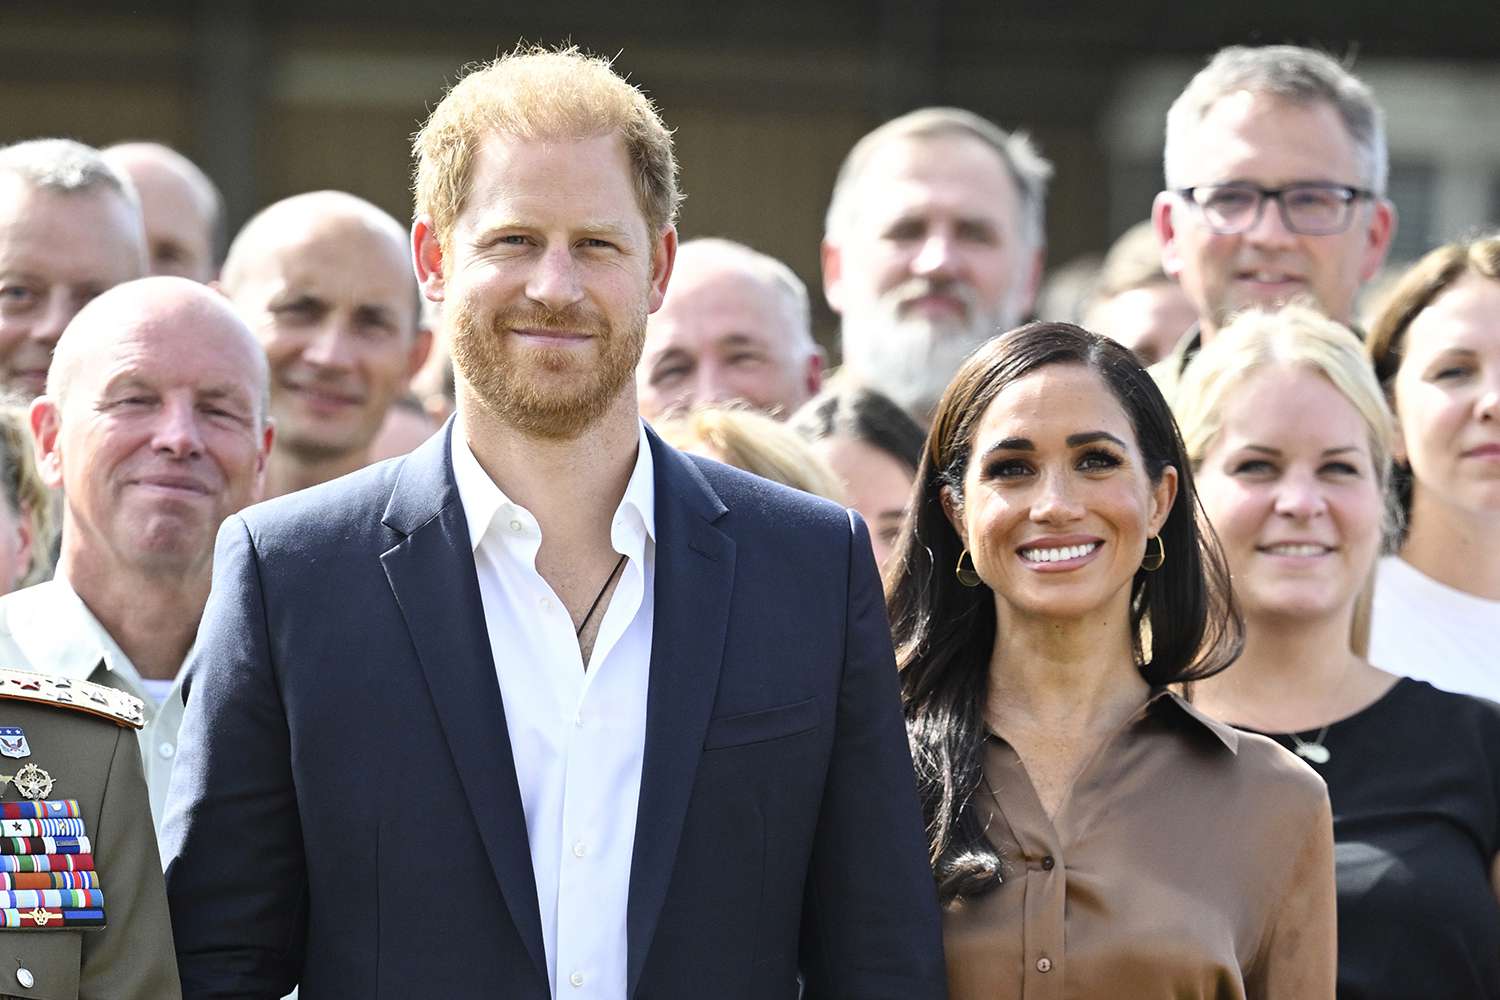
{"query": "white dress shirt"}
[(47, 628), (577, 734)]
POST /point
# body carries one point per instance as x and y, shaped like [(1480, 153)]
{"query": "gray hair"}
[(64, 166), (1291, 73), (769, 271), (1026, 166)]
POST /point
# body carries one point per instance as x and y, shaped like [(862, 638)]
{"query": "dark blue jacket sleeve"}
[(871, 928), (236, 874)]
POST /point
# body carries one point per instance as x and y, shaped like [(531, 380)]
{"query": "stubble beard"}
[(546, 393)]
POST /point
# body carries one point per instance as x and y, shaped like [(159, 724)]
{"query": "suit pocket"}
[(761, 726)]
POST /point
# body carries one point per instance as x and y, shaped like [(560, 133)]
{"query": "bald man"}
[(735, 326), (154, 425), (326, 283), (182, 207)]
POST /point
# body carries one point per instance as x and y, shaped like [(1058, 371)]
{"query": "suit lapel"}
[(431, 573), (694, 579)]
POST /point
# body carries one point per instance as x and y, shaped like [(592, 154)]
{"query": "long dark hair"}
[(945, 632)]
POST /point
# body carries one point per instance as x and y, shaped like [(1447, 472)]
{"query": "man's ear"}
[(663, 258), (262, 460), (46, 427), (1166, 233), (1378, 238), (417, 354), (833, 275), (428, 259)]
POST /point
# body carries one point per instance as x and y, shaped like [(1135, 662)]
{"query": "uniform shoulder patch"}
[(81, 696)]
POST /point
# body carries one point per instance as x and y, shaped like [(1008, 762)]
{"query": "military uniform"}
[(83, 909)]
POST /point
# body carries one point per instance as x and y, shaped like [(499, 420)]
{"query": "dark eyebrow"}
[(1089, 437), (1268, 450), (1011, 444)]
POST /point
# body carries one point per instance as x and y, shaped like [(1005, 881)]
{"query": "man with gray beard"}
[(934, 243)]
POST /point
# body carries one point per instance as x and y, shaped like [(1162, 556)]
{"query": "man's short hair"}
[(535, 93), (769, 271), (1290, 73), (1027, 168), (64, 166)]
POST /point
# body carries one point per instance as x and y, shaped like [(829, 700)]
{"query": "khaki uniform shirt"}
[(48, 629), (94, 761), (1189, 859), (1167, 372)]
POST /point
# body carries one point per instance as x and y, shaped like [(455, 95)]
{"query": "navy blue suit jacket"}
[(345, 812)]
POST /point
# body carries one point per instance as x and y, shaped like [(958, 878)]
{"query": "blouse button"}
[(1044, 964), (1047, 863)]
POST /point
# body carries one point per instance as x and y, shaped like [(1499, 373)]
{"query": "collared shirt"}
[(577, 732), (47, 628), (1188, 860)]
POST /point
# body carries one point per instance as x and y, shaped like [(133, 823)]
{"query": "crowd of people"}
[(519, 601)]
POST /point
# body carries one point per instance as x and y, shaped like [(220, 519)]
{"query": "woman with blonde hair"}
[(752, 441), (1436, 348), (26, 533), (1290, 440)]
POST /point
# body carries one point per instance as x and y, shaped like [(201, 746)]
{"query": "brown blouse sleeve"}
[(1298, 959)]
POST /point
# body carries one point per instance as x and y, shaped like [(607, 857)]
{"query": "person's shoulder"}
[(751, 497), (1276, 771), (1448, 712), (69, 698)]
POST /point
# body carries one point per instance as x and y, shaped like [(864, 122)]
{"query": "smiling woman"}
[(1290, 438), (1051, 582)]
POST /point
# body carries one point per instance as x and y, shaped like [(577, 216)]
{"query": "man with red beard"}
[(933, 244), (1276, 168), (547, 708), (325, 282)]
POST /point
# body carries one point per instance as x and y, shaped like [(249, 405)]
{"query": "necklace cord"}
[(599, 596)]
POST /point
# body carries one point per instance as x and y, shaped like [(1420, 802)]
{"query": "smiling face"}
[(1291, 488), (1447, 400), (933, 264), (158, 436), (724, 335), (547, 279), (1264, 140), (332, 299), (1057, 504)]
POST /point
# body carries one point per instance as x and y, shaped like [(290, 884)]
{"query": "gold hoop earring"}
[(967, 575), (1154, 560)]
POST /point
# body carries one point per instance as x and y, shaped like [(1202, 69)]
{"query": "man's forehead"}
[(185, 347), (349, 264), (1269, 140), (965, 177), (87, 236)]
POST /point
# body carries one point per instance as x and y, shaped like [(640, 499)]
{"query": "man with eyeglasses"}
[(1276, 167)]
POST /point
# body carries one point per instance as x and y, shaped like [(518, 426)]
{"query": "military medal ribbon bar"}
[(46, 862), (39, 810), (45, 845), (49, 880), (39, 918)]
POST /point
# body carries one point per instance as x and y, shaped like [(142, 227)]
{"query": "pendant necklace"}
[(1312, 750)]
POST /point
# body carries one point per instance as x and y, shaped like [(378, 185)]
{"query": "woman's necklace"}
[(1312, 750)]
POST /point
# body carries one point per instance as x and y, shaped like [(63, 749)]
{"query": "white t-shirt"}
[(1424, 629)]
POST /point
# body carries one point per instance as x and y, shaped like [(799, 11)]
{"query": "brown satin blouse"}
[(1189, 859)]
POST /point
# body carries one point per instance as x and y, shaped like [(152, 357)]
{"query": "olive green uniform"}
[(82, 736)]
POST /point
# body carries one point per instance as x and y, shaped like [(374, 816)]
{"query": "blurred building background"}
[(280, 96)]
